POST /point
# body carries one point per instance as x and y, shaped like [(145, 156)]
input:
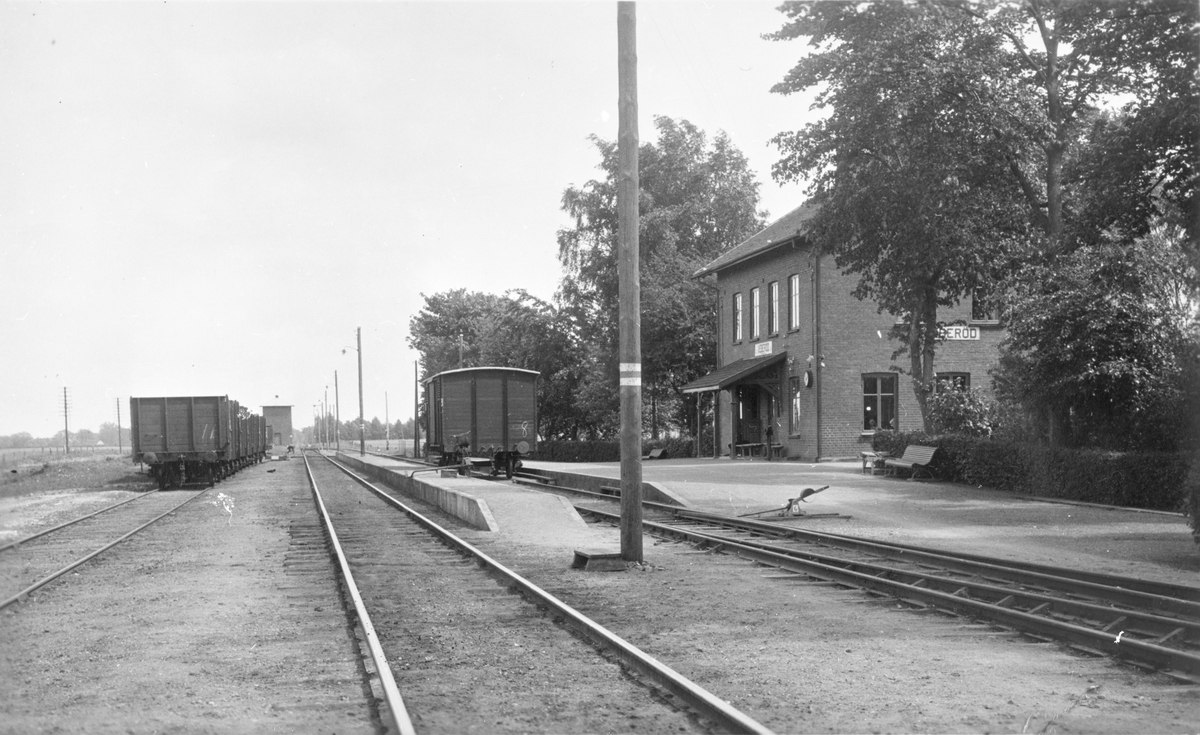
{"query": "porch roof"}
[(735, 371)]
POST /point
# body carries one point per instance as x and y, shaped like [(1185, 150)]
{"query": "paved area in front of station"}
[(933, 513)]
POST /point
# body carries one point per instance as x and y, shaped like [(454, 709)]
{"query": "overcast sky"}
[(208, 198)]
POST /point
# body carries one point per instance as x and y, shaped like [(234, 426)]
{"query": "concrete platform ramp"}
[(525, 515)]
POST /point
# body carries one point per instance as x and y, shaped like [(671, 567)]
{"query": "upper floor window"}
[(793, 301), (755, 313), (773, 307), (879, 402), (983, 305), (737, 317)]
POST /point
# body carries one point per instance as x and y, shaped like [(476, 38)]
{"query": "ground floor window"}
[(879, 402), (953, 381), (794, 392)]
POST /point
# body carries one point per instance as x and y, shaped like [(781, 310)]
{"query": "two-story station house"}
[(804, 365)]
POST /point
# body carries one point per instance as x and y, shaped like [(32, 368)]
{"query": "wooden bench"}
[(915, 459), (656, 454), (749, 449)]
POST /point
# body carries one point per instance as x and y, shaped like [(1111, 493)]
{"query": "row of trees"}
[(1042, 154), (348, 430), (83, 438)]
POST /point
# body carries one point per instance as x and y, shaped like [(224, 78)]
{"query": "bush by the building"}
[(1153, 480)]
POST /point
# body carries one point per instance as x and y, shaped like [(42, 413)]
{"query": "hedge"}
[(1153, 480), (609, 451)]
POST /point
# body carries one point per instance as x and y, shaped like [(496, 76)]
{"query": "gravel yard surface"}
[(201, 625)]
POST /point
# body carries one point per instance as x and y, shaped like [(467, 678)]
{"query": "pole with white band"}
[(629, 285)]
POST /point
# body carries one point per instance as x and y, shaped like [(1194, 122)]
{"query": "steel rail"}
[(708, 705), (1163, 589), (1114, 591), (391, 693), (97, 552), (27, 539), (1097, 640), (1173, 598), (1144, 623)]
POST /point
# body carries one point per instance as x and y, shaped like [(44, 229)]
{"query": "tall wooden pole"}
[(120, 441), (362, 428), (337, 415), (630, 353), (66, 424), (416, 410)]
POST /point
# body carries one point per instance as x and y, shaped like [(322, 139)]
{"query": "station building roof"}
[(780, 232)]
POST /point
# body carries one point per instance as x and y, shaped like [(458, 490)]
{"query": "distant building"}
[(279, 425), (798, 353)]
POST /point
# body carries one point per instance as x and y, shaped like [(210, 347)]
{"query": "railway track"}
[(458, 642), (1151, 625), (35, 561), (1154, 626)]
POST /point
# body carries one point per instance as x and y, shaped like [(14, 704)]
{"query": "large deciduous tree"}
[(696, 199), (1070, 56), (908, 165)]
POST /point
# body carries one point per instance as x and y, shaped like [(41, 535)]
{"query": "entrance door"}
[(749, 424)]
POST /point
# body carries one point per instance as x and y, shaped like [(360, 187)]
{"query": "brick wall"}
[(850, 337)]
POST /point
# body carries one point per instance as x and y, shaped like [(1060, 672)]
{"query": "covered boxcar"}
[(482, 412), (194, 438)]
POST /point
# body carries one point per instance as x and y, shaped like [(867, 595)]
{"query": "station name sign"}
[(959, 332), (762, 348)]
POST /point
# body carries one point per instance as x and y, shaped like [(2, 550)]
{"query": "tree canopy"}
[(516, 330), (1102, 346)]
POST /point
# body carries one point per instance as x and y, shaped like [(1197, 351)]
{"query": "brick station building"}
[(798, 354)]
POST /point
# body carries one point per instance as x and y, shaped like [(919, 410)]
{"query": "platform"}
[(501, 507)]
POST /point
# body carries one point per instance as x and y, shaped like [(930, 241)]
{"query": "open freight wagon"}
[(482, 412), (195, 438)]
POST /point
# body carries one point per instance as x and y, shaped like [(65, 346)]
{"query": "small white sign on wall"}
[(762, 348), (959, 332)]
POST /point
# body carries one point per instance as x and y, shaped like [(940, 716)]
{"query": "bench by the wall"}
[(915, 459)]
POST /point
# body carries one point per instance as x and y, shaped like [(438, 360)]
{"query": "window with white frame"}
[(773, 307), (794, 301), (755, 313), (737, 317), (879, 402)]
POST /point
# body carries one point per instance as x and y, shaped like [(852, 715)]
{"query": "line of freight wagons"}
[(192, 439)]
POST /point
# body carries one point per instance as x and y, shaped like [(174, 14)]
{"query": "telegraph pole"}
[(630, 354), (416, 410), (120, 445), (66, 424), (337, 416), (362, 428), (387, 426)]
